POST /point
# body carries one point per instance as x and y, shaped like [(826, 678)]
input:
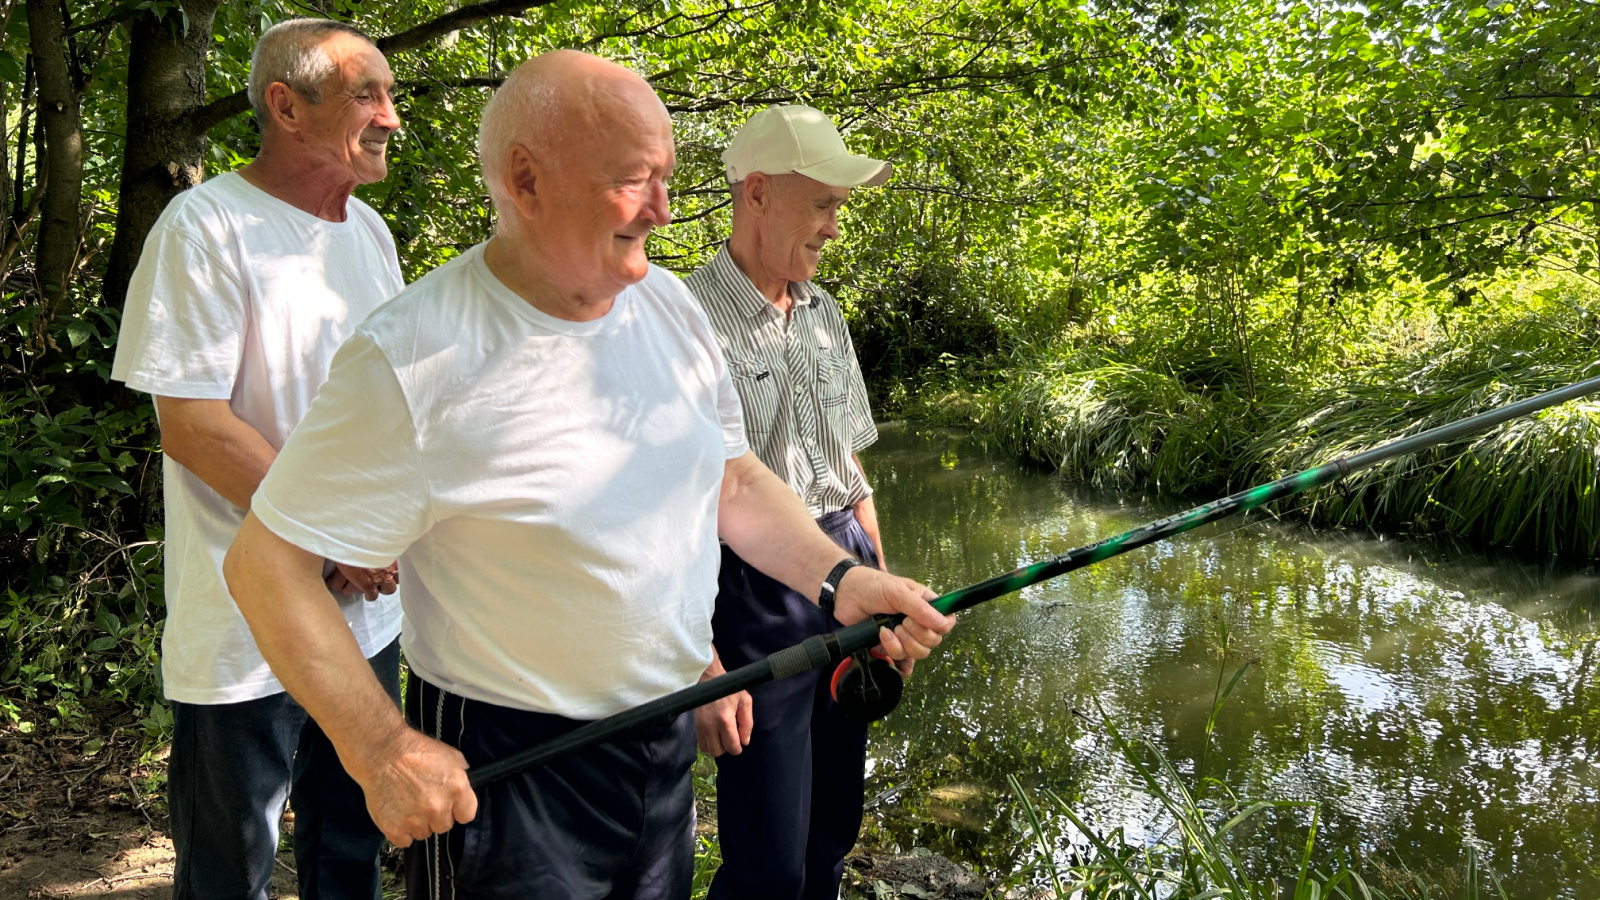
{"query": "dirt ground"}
[(77, 818), (81, 816)]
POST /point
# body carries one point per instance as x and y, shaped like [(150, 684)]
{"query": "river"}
[(1425, 696)]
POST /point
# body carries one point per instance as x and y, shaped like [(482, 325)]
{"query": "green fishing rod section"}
[(870, 685)]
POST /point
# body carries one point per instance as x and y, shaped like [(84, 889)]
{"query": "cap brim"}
[(849, 171)]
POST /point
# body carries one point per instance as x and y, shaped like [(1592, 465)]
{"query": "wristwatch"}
[(830, 585)]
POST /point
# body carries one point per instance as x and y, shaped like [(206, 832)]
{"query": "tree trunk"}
[(162, 155), (22, 149), (59, 227), (168, 117)]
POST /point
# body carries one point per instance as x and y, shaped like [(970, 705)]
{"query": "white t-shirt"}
[(242, 297), (552, 485)]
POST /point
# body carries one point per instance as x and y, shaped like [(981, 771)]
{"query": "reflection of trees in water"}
[(1392, 681)]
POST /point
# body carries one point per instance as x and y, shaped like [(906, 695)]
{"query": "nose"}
[(830, 226), (658, 208), (387, 117)]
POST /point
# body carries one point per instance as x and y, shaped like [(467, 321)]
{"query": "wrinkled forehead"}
[(620, 126), (358, 63), (810, 189)]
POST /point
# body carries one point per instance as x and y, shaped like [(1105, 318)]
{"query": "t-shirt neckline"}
[(538, 317), (296, 212)]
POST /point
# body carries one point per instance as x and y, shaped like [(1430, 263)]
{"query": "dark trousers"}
[(614, 821), (789, 806), (233, 765)]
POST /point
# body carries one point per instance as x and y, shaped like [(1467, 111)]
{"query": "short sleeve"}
[(350, 483), (184, 323), (729, 409)]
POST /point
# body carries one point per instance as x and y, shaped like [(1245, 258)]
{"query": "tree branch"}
[(224, 108), (218, 111), (414, 37)]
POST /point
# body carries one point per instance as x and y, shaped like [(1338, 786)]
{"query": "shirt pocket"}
[(832, 375), (758, 392)]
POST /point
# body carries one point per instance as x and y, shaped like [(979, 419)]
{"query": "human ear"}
[(520, 177), (756, 191), (282, 106)]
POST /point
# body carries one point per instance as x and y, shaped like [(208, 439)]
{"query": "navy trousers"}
[(233, 765), (615, 821), (789, 806)]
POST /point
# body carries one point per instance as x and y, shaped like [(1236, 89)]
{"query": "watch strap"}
[(830, 584)]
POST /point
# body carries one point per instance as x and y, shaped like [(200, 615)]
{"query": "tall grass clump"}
[(1112, 423), (1194, 858), (1533, 482)]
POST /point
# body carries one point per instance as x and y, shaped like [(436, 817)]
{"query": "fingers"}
[(728, 730), (388, 578), (369, 582), (465, 807), (905, 666), (423, 790), (708, 730), (747, 717), (705, 738), (912, 600)]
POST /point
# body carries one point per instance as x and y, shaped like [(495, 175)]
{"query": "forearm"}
[(771, 529), (867, 514), (222, 450), (304, 638)]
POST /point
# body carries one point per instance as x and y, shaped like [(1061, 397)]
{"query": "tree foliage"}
[(1225, 193)]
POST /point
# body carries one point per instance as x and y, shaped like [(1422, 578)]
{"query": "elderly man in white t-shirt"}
[(556, 445), (247, 285)]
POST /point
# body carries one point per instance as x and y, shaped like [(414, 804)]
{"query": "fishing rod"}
[(869, 687)]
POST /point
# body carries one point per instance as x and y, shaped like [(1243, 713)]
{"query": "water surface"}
[(1425, 696)]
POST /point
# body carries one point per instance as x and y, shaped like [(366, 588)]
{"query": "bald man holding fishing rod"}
[(789, 776), (544, 432)]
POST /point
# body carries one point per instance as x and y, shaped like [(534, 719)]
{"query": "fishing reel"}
[(867, 686)]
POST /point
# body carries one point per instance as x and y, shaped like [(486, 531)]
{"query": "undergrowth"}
[(1194, 858), (1113, 417)]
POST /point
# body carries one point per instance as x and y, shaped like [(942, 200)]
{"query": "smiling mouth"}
[(375, 146)]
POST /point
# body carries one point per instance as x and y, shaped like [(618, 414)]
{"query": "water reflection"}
[(1424, 695)]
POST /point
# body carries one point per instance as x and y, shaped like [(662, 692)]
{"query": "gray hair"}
[(291, 52), (519, 112)]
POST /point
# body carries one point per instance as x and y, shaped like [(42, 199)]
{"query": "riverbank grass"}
[(1112, 415)]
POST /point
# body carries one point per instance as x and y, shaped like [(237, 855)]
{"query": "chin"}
[(632, 268)]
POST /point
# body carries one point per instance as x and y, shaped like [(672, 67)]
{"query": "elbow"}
[(178, 442), (237, 565), (233, 566)]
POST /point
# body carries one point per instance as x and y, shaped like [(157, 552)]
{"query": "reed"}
[(1533, 483), (1116, 424)]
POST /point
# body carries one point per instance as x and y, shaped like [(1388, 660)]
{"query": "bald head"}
[(558, 105), (577, 153)]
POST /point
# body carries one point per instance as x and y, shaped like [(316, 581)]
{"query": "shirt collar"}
[(752, 301)]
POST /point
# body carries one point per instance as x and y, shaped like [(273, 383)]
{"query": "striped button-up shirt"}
[(805, 405)]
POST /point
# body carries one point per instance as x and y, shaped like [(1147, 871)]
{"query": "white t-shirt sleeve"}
[(350, 484), (183, 332), (729, 410)]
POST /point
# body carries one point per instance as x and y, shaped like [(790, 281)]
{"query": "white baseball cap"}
[(783, 139)]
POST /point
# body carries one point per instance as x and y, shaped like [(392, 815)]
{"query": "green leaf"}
[(79, 331), (9, 70)]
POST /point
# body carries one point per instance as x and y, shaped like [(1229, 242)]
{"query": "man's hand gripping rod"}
[(825, 650)]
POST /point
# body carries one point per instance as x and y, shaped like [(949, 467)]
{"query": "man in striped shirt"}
[(790, 771)]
